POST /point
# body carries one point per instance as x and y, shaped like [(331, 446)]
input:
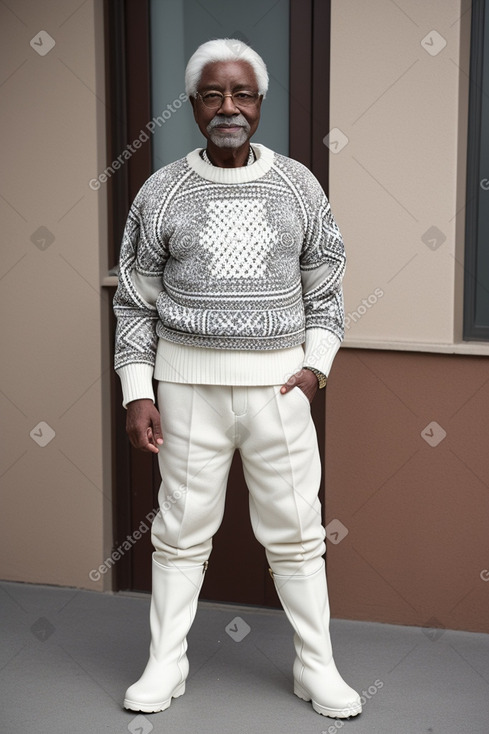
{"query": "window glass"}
[(177, 28)]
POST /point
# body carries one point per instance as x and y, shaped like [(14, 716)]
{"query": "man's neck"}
[(228, 157)]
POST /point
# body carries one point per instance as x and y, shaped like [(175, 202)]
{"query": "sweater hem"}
[(252, 343), (188, 364)]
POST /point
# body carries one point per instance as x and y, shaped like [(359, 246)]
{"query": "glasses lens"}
[(214, 100), (244, 99)]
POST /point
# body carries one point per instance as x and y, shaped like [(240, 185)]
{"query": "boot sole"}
[(344, 713), (153, 708)]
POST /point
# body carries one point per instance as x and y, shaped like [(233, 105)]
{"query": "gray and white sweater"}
[(225, 273)]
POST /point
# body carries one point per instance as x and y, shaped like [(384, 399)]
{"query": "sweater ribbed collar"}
[(243, 174)]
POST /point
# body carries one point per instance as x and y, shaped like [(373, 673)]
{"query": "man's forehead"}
[(223, 73)]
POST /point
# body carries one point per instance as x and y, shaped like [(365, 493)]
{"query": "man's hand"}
[(143, 425), (305, 380)]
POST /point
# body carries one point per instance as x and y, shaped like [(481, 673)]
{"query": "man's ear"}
[(193, 103)]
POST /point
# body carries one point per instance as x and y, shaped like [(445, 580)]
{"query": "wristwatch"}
[(322, 379)]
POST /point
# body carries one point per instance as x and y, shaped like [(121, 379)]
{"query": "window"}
[(476, 296)]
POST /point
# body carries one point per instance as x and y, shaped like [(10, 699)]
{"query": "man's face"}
[(228, 126)]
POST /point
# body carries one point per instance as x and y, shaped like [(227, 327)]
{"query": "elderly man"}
[(230, 297)]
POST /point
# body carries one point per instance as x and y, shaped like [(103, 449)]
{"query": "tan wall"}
[(55, 499), (399, 91), (416, 514)]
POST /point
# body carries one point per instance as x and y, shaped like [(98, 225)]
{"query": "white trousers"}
[(202, 427)]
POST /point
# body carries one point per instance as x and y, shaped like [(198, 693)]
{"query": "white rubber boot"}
[(175, 592), (316, 679)]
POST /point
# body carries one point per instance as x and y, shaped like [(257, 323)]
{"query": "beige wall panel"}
[(56, 493), (394, 184)]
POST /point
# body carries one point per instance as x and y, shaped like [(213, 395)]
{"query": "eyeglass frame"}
[(256, 97)]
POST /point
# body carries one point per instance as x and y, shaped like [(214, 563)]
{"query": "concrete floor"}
[(67, 656)]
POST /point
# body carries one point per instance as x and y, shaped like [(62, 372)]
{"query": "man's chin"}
[(229, 141)]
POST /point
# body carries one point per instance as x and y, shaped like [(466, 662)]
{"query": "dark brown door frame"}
[(128, 84), (310, 45)]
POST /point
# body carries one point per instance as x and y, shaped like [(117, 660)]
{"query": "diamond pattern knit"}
[(247, 238)]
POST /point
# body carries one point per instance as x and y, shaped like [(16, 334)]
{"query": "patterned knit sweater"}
[(220, 264)]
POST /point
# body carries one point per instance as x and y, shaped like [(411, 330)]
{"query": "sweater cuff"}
[(136, 382), (320, 349)]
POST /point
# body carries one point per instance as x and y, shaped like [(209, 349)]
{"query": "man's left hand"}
[(305, 380)]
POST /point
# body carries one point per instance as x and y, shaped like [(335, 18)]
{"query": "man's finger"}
[(291, 382), (144, 442), (154, 440), (151, 444), (157, 433), (304, 380)]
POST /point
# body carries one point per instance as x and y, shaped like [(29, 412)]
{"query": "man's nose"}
[(228, 106)]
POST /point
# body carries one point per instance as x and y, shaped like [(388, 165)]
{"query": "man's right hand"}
[(143, 425)]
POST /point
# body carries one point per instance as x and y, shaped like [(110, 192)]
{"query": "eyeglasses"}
[(213, 100)]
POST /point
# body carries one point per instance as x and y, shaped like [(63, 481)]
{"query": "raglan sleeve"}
[(141, 265), (323, 263)]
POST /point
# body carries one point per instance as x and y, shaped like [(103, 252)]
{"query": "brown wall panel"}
[(416, 513)]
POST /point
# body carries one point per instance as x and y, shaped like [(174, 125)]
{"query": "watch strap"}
[(322, 379)]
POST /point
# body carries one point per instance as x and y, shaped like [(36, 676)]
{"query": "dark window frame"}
[(474, 243)]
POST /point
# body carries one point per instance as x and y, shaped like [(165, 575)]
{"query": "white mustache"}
[(223, 121)]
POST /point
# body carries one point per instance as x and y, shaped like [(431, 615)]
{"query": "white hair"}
[(224, 49)]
